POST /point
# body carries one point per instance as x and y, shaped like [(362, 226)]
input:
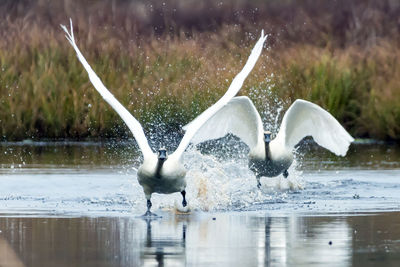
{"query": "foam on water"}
[(212, 185), (226, 185), (218, 179)]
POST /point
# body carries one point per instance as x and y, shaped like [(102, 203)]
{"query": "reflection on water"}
[(359, 156), (95, 178), (86, 154), (67, 154), (232, 239), (162, 247), (284, 228)]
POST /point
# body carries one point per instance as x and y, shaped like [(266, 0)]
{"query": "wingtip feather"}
[(69, 33), (72, 29)]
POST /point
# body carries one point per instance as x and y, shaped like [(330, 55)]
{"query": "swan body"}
[(160, 172), (272, 166), (165, 179), (272, 157)]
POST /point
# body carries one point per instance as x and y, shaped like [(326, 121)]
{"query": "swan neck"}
[(160, 163), (267, 154)]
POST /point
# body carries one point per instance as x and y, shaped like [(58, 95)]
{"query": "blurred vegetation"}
[(167, 61)]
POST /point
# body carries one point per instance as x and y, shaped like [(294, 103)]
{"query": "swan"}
[(161, 172), (271, 157)]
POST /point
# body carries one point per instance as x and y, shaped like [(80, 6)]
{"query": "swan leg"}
[(285, 173), (258, 182), (149, 205), (148, 212), (184, 203)]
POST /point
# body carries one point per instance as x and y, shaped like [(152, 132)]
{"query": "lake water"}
[(78, 204)]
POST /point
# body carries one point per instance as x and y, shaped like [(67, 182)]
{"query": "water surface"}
[(203, 239), (68, 204), (100, 179)]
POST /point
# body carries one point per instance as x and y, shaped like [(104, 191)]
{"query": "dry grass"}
[(167, 69)]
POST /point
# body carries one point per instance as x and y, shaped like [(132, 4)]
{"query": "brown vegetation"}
[(168, 61)]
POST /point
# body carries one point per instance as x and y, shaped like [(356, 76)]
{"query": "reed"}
[(358, 86), (167, 72)]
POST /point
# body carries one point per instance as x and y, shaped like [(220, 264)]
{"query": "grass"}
[(166, 77), (360, 89), (47, 92)]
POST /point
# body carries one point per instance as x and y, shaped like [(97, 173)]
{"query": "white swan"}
[(160, 172), (271, 157)]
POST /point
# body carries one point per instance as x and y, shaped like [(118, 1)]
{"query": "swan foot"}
[(184, 203), (258, 183), (285, 173), (150, 214)]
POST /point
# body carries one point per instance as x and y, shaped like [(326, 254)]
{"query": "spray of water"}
[(218, 177), (221, 185)]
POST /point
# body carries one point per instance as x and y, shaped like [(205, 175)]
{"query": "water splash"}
[(269, 105), (218, 177), (222, 185)]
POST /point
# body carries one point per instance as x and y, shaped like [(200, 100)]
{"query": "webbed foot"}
[(285, 173), (150, 214)]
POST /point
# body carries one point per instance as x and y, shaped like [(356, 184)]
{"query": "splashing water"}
[(268, 104), (218, 177), (214, 185)]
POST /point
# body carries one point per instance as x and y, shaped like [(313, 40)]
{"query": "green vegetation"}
[(360, 89), (169, 71)]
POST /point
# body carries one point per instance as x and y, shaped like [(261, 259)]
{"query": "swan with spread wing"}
[(160, 172), (267, 156)]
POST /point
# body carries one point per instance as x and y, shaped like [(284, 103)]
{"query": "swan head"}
[(162, 154), (267, 136)]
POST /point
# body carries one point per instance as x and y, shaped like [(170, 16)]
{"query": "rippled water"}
[(101, 179), (66, 204), (203, 239)]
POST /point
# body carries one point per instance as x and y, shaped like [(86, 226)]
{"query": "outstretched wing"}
[(239, 117), (130, 121), (231, 92), (304, 118)]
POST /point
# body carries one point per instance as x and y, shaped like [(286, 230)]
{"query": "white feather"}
[(233, 89), (171, 177), (239, 117), (130, 121), (304, 118)]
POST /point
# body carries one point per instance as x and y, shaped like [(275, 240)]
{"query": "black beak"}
[(267, 137), (162, 155)]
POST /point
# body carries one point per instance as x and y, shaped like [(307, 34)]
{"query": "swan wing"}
[(130, 121), (239, 117), (304, 118), (235, 86)]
